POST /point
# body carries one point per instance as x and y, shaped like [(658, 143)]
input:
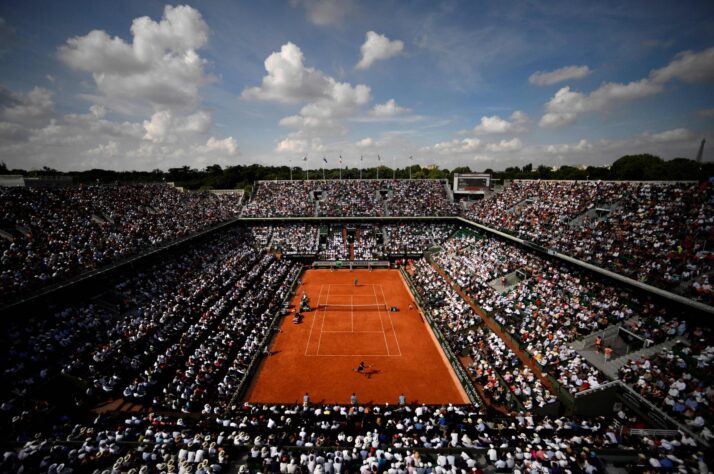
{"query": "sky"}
[(140, 85)]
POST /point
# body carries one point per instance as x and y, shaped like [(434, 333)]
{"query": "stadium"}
[(315, 317), (356, 236)]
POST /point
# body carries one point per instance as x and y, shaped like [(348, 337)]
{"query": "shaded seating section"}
[(679, 380), (549, 308), (61, 232), (660, 233)]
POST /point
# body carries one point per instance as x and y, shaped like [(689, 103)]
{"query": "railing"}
[(659, 433), (649, 408), (599, 388)]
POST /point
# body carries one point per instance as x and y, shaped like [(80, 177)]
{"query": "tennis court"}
[(349, 324)]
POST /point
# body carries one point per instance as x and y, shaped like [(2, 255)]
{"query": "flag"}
[(379, 158), (324, 159), (340, 159), (411, 157), (361, 158), (304, 159)]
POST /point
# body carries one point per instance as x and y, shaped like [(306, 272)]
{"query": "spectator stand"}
[(700, 308), (84, 282), (290, 284)]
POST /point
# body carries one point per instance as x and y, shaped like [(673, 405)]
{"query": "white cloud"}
[(514, 144), (159, 67), (106, 150), (687, 66), (388, 109), (547, 78), (227, 145), (483, 157), (556, 149), (327, 102), (378, 48), (456, 146), (26, 108), (325, 12), (295, 143), (164, 126), (563, 108), (366, 142), (155, 78), (705, 113), (674, 135), (565, 105), (288, 80), (495, 124)]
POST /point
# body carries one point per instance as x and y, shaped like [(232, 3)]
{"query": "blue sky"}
[(453, 83)]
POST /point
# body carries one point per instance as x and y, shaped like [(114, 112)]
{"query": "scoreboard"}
[(471, 183)]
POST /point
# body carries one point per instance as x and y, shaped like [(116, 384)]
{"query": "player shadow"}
[(371, 373)]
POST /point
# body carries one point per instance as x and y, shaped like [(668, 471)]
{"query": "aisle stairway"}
[(610, 368)]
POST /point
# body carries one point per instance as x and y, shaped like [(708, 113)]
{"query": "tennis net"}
[(352, 307)]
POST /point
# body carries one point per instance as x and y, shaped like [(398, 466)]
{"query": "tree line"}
[(630, 167)]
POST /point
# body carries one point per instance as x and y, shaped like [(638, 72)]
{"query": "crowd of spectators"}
[(660, 233), (495, 369), (293, 238), (303, 239), (366, 245), (179, 336), (336, 247), (51, 234), (340, 439), (351, 197), (679, 380), (419, 197), (411, 237), (549, 305), (282, 199)]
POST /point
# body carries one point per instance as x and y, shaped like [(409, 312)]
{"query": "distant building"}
[(12, 181), (19, 181)]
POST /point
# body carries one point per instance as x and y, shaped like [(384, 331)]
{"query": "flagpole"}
[(323, 168), (394, 169), (291, 168), (340, 167), (360, 167), (378, 160), (410, 166)]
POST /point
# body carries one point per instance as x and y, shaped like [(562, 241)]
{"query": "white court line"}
[(324, 315), (386, 344), (381, 288), (319, 295), (351, 355), (352, 312), (355, 332)]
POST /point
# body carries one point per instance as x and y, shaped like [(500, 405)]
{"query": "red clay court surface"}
[(318, 356)]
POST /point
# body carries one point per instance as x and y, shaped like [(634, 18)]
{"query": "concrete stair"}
[(611, 367)]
